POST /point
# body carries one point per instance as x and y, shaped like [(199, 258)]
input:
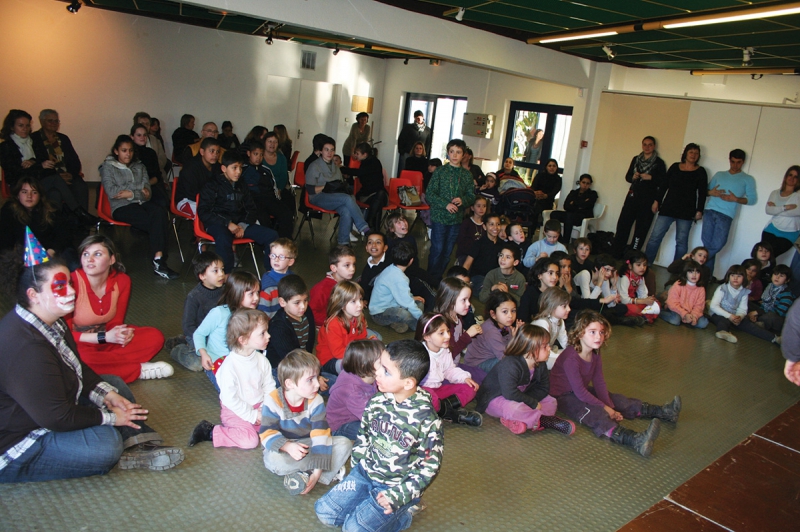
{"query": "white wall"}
[(98, 68)]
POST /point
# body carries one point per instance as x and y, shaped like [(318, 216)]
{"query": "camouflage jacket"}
[(400, 444)]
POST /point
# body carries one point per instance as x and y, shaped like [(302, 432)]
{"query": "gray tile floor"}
[(490, 479)]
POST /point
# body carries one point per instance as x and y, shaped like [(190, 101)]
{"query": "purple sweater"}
[(349, 398), (490, 344), (573, 374)]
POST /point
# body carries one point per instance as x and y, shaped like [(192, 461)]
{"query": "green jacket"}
[(449, 182)]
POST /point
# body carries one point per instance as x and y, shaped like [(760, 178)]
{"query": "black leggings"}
[(638, 211), (570, 220), (377, 201), (147, 217)]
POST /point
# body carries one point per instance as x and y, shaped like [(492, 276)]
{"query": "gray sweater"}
[(117, 177)]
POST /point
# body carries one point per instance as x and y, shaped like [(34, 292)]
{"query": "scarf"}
[(25, 146), (770, 296), (642, 165), (55, 152), (635, 280)]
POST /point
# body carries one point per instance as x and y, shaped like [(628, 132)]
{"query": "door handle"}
[(298, 134)]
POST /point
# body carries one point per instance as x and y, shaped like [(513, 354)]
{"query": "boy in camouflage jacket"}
[(398, 451)]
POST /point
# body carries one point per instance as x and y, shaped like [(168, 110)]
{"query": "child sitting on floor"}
[(282, 254), (553, 310), (342, 264), (506, 277), (392, 304), (762, 252), (545, 246), (345, 323), (775, 302), (752, 269), (389, 474), (292, 327), (500, 314), (472, 229), (687, 299), (482, 258), (632, 289), (450, 387), (245, 380), (294, 430), (517, 390), (580, 366), (377, 261), (517, 236), (354, 388)]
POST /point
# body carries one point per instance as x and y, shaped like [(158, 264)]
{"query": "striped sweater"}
[(280, 425)]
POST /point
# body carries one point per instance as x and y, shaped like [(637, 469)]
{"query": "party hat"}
[(34, 252)]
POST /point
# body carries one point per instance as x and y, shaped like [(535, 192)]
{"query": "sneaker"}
[(202, 432), (353, 238), (160, 268), (155, 370), (417, 508), (399, 327), (725, 335), (564, 426), (341, 474), (516, 427), (151, 456), (776, 340), (170, 344), (296, 482), (470, 417)]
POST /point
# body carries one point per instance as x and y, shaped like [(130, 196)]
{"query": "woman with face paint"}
[(61, 419), (105, 342)]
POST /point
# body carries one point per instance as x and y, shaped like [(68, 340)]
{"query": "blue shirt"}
[(210, 335), (392, 290), (740, 185), (537, 248)]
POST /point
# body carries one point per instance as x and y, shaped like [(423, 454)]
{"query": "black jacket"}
[(410, 135), (550, 184), (505, 378), (645, 192), (370, 173), (181, 138), (11, 161), (683, 194), (223, 202), (71, 160), (149, 158), (193, 178), (283, 339), (55, 236), (582, 204)]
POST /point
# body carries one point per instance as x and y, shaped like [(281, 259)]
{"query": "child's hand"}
[(736, 320), (514, 328), (687, 256), (205, 360), (296, 450), (383, 500), (753, 316), (312, 481), (613, 414), (542, 255), (687, 318), (649, 300), (419, 298), (472, 384), (475, 330), (501, 287), (323, 383), (451, 208)]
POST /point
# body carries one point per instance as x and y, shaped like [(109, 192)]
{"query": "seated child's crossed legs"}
[(282, 464), (464, 392), (501, 407)]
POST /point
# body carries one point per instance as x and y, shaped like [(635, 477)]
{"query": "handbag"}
[(409, 197), (336, 187)]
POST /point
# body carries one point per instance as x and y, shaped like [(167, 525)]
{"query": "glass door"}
[(536, 133), (443, 114)]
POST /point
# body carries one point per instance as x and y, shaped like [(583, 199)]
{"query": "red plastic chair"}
[(415, 177), (4, 190), (203, 238), (293, 160), (300, 181), (357, 186), (394, 197), (177, 215), (354, 163), (104, 210)]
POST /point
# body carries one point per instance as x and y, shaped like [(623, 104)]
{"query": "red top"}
[(334, 338), (319, 296), (92, 311)]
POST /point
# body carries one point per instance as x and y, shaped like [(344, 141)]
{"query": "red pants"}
[(636, 310), (125, 362), (464, 393)]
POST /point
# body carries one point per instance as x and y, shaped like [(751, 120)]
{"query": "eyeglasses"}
[(279, 257)]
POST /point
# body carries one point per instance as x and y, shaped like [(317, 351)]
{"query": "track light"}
[(406, 61), (269, 37), (460, 14), (74, 7), (336, 51), (747, 55), (609, 52)]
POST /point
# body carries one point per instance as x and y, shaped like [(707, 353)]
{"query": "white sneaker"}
[(155, 370), (725, 335), (353, 238), (341, 474), (776, 340)]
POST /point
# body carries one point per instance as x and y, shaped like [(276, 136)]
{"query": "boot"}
[(84, 217), (450, 410), (202, 432), (668, 412), (563, 426), (632, 321), (641, 442)]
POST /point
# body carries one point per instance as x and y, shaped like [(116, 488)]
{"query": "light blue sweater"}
[(739, 185), (391, 290), (210, 335), (537, 248)]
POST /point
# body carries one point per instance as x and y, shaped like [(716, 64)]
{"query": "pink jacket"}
[(687, 299)]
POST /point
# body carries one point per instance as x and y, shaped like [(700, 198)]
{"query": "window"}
[(536, 133), (443, 114)]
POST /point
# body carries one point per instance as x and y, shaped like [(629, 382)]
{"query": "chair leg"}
[(177, 240), (255, 263), (302, 221)]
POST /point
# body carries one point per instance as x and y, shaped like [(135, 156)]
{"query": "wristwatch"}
[(101, 337)]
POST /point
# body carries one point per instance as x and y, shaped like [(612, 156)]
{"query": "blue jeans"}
[(675, 319), (443, 240), (348, 430), (487, 365), (660, 229), (186, 356), (795, 286), (349, 213), (223, 242), (716, 227), (351, 504), (213, 379), (395, 314)]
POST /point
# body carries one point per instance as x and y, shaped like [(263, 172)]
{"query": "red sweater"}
[(318, 298), (687, 299), (334, 338)]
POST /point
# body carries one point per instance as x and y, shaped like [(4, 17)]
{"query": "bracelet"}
[(101, 337)]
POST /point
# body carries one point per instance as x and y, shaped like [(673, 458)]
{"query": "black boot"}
[(668, 412), (641, 442), (85, 218), (632, 321), (450, 410), (202, 432), (563, 426)]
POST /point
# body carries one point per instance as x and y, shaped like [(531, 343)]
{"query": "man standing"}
[(727, 191), (412, 133)]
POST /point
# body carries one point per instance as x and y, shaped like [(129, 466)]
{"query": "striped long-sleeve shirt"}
[(776, 299)]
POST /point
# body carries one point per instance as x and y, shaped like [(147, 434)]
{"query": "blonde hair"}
[(528, 339), (242, 323), (285, 243), (582, 322), (550, 300), (295, 364), (343, 293)]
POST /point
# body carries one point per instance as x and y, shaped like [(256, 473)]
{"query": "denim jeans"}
[(660, 229), (186, 356), (213, 379), (395, 314), (443, 240), (348, 430), (349, 213), (223, 240), (716, 227), (675, 319), (352, 505)]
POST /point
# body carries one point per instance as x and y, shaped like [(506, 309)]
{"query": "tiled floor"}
[(490, 479)]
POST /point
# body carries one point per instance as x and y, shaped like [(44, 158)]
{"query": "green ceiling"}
[(776, 41)]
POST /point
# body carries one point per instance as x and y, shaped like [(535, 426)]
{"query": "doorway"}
[(443, 114), (536, 132)]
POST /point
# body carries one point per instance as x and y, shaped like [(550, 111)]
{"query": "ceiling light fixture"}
[(336, 51), (746, 71), (698, 20), (269, 37), (406, 61), (74, 7), (460, 14), (609, 52), (747, 55)]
